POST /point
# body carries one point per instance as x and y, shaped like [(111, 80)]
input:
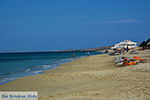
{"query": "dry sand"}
[(89, 78)]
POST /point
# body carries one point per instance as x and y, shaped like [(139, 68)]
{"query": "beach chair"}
[(113, 53), (133, 52), (128, 61), (119, 61), (139, 59)]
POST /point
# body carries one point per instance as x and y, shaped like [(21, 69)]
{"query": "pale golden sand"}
[(90, 78)]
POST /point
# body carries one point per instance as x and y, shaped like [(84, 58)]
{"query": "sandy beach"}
[(89, 78)]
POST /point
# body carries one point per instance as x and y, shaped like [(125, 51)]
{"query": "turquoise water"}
[(16, 65)]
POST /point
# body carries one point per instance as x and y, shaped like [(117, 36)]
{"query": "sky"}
[(46, 25)]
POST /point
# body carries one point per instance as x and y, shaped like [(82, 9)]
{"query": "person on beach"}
[(127, 48), (122, 51), (106, 51)]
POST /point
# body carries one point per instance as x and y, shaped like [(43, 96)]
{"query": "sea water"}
[(16, 65)]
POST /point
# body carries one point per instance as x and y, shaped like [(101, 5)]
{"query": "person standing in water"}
[(74, 55)]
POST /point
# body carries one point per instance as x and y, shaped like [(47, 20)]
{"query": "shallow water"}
[(16, 65)]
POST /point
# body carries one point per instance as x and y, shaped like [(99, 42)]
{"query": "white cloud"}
[(76, 17), (131, 20), (125, 21)]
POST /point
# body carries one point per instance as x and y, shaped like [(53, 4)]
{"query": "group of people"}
[(121, 50), (118, 51)]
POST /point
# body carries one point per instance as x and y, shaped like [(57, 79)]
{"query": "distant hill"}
[(90, 49), (145, 44)]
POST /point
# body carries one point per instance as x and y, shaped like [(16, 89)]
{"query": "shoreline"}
[(32, 69), (38, 71), (91, 77)]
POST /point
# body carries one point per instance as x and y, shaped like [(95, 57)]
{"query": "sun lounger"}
[(124, 61), (133, 52), (113, 53), (119, 61), (129, 61), (139, 59)]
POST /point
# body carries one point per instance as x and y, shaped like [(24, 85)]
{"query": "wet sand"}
[(89, 78)]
